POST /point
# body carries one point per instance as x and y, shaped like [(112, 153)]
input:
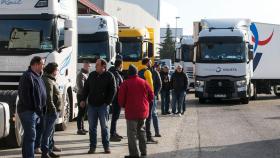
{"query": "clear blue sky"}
[(267, 11)]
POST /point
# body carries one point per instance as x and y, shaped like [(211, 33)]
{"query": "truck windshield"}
[(222, 52), (93, 50), (19, 36), (131, 51), (187, 53)]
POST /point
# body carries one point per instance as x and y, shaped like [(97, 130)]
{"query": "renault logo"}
[(219, 69), (220, 84)]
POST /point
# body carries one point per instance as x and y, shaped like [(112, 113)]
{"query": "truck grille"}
[(219, 87), (9, 82)]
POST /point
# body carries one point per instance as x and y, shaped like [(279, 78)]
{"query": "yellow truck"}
[(136, 45)]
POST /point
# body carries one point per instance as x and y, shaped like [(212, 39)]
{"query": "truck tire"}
[(245, 100), (275, 91), (14, 139), (66, 115), (201, 100)]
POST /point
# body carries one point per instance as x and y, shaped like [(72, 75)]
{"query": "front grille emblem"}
[(220, 84)]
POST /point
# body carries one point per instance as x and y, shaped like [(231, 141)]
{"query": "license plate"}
[(220, 96)]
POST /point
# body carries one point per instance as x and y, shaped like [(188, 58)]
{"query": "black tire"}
[(201, 100), (245, 100), (14, 139), (275, 91), (66, 115)]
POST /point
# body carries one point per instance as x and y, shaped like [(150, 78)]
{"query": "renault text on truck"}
[(46, 28), (136, 44), (97, 38), (184, 57), (224, 65)]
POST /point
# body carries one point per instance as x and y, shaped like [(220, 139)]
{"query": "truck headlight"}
[(242, 83), (199, 83)]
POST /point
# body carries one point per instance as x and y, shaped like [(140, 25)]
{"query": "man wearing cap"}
[(179, 85), (135, 95)]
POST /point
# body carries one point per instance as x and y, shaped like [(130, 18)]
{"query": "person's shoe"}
[(37, 151), (86, 131), (81, 132), (168, 113), (114, 138), (107, 151), (157, 135), (53, 155), (163, 113), (143, 154), (119, 136), (131, 156), (179, 115), (151, 141), (45, 156), (55, 148), (183, 112), (91, 151)]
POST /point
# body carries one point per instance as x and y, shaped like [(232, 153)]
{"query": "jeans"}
[(155, 116), (116, 111), (148, 122), (39, 132), (177, 99), (135, 130), (81, 114), (184, 103), (47, 144), (28, 120), (101, 113), (165, 100)]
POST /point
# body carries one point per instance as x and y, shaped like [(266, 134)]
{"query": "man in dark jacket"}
[(116, 110), (80, 81), (99, 88), (157, 87), (31, 104), (179, 85), (53, 108), (165, 90), (135, 96)]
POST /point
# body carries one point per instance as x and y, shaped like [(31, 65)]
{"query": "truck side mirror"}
[(68, 38), (118, 47), (251, 55)]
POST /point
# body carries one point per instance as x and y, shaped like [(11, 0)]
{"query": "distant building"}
[(178, 33), (134, 13)]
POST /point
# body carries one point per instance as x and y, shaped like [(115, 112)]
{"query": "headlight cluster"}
[(242, 83), (199, 83)]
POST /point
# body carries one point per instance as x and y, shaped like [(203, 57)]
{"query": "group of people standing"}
[(97, 92)]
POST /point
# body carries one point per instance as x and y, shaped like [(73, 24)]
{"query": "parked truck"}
[(97, 38), (45, 28), (184, 57), (136, 44), (236, 58)]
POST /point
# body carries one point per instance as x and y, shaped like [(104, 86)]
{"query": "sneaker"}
[(91, 151), (131, 156), (37, 151), (55, 148), (168, 112), (179, 115), (151, 141), (157, 135), (81, 132), (53, 155), (183, 112), (114, 138), (143, 154), (107, 151)]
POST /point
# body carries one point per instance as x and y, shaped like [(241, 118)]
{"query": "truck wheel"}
[(66, 115), (245, 100), (275, 89), (202, 100)]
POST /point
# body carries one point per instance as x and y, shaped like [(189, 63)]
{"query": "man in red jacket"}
[(135, 94)]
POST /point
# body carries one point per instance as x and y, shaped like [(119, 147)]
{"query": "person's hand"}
[(82, 104)]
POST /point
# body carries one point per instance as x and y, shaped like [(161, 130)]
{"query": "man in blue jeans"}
[(99, 88), (32, 102), (165, 90), (179, 85)]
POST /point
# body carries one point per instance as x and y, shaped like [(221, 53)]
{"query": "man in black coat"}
[(100, 89)]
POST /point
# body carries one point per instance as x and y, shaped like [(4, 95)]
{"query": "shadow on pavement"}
[(259, 149)]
